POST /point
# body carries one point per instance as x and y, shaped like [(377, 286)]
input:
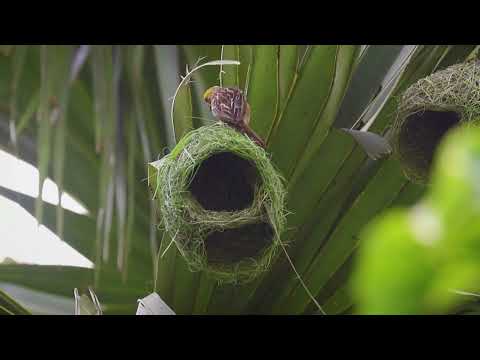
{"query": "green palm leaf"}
[(118, 120)]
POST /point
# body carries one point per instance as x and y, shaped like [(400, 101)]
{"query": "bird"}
[(229, 105)]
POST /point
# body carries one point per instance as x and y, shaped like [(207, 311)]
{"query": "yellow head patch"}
[(207, 95)]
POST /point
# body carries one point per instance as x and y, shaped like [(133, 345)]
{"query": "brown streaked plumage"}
[(229, 105)]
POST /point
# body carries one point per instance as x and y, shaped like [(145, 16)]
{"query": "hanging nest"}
[(429, 109), (221, 202)]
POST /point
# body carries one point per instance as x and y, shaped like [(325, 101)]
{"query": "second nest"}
[(429, 109)]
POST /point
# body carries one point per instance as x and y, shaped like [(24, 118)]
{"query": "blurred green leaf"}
[(411, 260), (168, 57), (299, 94), (55, 70), (395, 270), (287, 66), (230, 75), (6, 49), (10, 306), (307, 99), (104, 120), (263, 88)]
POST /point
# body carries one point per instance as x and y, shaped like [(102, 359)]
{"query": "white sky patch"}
[(18, 175), (20, 237)]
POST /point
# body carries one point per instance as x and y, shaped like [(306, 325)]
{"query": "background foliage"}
[(92, 117)]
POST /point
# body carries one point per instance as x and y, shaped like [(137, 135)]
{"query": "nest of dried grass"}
[(429, 109), (221, 201)]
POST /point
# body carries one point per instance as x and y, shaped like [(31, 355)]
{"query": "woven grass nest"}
[(429, 109), (221, 201)]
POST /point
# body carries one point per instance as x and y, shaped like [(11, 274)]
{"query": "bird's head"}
[(207, 95)]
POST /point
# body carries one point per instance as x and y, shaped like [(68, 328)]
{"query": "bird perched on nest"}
[(229, 105)]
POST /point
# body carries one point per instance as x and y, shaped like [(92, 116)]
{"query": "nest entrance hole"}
[(224, 182), (421, 133), (233, 245)]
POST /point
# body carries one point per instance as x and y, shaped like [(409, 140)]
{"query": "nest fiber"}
[(429, 109), (221, 202)]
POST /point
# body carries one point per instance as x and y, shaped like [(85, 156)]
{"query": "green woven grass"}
[(429, 109), (222, 203)]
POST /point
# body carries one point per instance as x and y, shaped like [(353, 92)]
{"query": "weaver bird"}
[(228, 104)]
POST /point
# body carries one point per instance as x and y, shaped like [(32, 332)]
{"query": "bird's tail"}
[(252, 135)]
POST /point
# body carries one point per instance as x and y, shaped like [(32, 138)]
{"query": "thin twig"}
[(301, 280), (247, 80), (96, 302), (220, 77), (77, 304), (188, 75), (460, 292)]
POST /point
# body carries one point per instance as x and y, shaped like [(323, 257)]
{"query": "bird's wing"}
[(239, 106)]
